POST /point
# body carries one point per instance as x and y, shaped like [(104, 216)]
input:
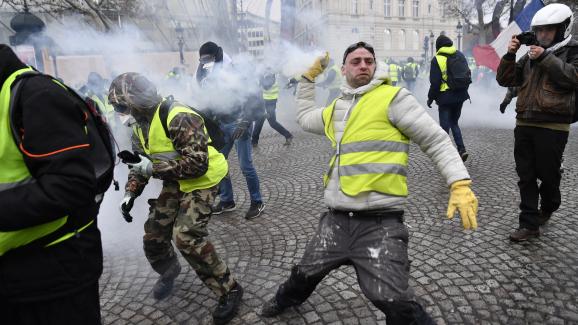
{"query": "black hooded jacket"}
[(51, 125)]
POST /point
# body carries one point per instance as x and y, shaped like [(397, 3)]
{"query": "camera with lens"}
[(527, 38)]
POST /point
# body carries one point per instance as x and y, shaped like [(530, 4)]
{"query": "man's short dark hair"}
[(357, 45)]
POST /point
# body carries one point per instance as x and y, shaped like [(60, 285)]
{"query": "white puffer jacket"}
[(405, 113)]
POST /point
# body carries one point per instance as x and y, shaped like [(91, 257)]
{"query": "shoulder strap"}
[(164, 110), (14, 97)]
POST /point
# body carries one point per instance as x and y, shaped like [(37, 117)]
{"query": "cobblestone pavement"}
[(461, 277)]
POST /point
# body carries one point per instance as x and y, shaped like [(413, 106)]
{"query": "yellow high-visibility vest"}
[(160, 148), (393, 72), (15, 173), (271, 93), (373, 154), (443, 64)]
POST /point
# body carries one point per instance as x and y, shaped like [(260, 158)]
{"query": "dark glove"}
[(128, 157), (429, 102), (292, 83), (503, 107), (242, 127), (126, 205)]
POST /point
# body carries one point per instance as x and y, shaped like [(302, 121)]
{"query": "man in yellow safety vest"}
[(370, 127), (50, 246), (173, 145)]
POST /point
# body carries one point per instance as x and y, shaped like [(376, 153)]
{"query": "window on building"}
[(401, 8), (415, 8), (442, 10), (370, 4), (387, 8), (415, 40), (387, 39), (354, 8), (402, 39)]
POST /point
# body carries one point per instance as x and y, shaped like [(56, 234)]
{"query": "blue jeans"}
[(244, 152), (449, 116)]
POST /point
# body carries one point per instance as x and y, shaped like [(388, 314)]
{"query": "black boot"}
[(271, 308), (228, 305), (164, 285)]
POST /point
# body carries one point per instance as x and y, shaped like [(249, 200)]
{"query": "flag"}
[(489, 55)]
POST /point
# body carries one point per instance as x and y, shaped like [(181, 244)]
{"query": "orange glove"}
[(463, 199), (317, 68)]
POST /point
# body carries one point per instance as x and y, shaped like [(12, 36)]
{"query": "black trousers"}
[(82, 307), (270, 107), (376, 246), (538, 154)]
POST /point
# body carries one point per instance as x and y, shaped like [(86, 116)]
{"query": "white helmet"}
[(554, 14)]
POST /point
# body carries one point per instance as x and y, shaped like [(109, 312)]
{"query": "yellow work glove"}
[(317, 68), (462, 198)]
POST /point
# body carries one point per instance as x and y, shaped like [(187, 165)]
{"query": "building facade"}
[(253, 33), (397, 29)]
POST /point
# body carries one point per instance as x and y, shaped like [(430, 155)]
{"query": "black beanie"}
[(443, 41)]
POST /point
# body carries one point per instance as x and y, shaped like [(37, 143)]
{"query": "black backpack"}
[(459, 73), (409, 72), (215, 132), (102, 149)]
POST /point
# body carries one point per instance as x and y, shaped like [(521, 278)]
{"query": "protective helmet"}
[(132, 93), (555, 14)]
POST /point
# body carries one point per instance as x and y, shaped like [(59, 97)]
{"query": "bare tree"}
[(475, 12), (100, 11)]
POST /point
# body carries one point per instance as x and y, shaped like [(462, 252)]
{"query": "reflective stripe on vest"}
[(160, 148), (393, 72), (271, 93), (372, 154), (443, 64), (15, 174)]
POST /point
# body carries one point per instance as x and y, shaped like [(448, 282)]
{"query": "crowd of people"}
[(54, 177)]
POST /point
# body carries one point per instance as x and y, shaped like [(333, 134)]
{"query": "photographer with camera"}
[(547, 79)]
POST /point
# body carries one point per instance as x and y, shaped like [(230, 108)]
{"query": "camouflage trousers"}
[(183, 217)]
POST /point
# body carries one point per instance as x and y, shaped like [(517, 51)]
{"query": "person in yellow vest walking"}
[(449, 78), (176, 148), (270, 88), (50, 246), (410, 73), (370, 127), (332, 81), (394, 72)]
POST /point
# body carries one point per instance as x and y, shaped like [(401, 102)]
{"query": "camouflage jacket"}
[(190, 141)]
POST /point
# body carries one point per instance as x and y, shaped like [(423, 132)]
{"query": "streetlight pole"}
[(181, 42), (459, 29), (431, 38)]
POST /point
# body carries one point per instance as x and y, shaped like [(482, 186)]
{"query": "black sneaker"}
[(523, 234), (164, 285), (255, 210), (464, 155), (288, 141), (223, 207), (228, 305), (271, 308)]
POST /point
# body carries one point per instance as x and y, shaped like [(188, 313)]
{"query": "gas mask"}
[(208, 67)]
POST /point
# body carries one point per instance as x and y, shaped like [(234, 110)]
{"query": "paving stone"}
[(461, 277)]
